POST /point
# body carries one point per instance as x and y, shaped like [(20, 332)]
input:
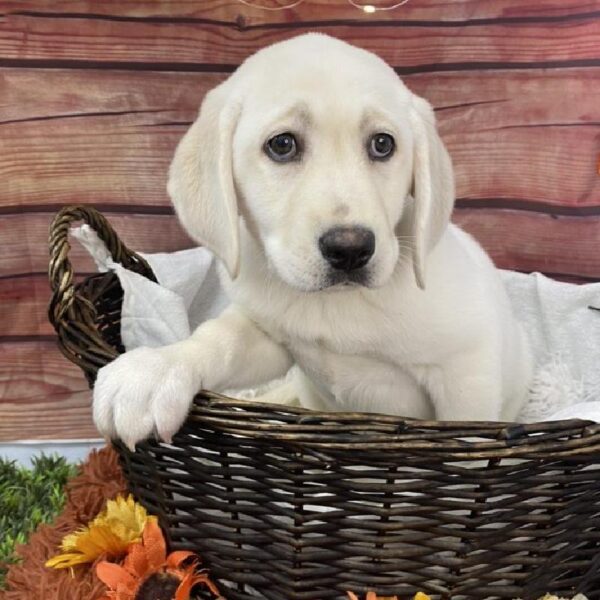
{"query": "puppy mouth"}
[(347, 279)]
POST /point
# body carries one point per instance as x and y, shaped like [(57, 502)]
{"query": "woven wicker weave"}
[(289, 504)]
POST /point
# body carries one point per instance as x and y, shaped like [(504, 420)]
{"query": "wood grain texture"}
[(63, 416), (529, 241), (44, 396), (239, 15), (108, 137), (80, 41), (42, 370), (25, 299), (565, 247), (25, 240), (156, 233)]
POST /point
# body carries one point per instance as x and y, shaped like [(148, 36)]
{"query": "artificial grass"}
[(29, 497)]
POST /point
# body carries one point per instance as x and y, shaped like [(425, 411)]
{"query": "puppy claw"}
[(141, 393)]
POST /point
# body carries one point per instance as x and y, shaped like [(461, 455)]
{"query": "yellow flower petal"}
[(126, 513), (63, 561), (120, 524), (109, 541), (70, 541), (92, 544), (421, 596)]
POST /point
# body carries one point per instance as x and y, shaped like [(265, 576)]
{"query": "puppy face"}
[(317, 145), (322, 161)]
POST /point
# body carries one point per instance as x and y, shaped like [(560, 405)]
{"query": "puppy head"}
[(327, 157)]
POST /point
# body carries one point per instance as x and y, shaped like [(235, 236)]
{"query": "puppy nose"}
[(347, 248)]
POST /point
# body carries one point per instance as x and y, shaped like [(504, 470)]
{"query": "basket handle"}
[(66, 305)]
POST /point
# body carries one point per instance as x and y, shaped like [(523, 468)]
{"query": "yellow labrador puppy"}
[(320, 182)]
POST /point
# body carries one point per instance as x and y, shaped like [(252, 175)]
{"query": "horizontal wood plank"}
[(105, 137), (80, 41), (44, 396), (243, 16), (566, 247), (60, 417), (25, 240), (108, 137), (527, 241), (37, 371), (25, 300)]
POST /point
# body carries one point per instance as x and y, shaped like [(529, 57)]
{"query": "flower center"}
[(159, 586)]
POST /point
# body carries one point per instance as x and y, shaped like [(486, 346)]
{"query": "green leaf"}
[(29, 497)]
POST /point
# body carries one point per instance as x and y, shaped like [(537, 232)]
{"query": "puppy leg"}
[(469, 388), (150, 390), (284, 392)]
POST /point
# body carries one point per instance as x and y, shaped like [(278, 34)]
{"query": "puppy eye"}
[(282, 147), (381, 146)]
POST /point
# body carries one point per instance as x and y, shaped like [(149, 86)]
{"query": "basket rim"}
[(374, 431)]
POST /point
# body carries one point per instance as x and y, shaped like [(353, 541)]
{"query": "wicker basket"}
[(289, 504)]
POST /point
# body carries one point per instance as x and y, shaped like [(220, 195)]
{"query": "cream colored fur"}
[(431, 334)]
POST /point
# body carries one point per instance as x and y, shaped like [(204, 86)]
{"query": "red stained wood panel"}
[(521, 240), (25, 240), (36, 402), (570, 242), (43, 394), (25, 299), (46, 417), (35, 370), (108, 137), (529, 241), (242, 16), (554, 165), (81, 39), (101, 137)]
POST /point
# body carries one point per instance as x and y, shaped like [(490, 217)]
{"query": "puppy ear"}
[(201, 183), (433, 185)]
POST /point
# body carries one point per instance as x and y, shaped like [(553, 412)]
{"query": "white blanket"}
[(563, 328)]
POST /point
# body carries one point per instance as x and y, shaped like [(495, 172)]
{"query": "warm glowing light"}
[(371, 8), (367, 8)]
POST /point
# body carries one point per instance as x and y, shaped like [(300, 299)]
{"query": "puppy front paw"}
[(144, 392)]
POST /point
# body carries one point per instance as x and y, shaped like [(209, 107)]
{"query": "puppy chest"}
[(338, 373)]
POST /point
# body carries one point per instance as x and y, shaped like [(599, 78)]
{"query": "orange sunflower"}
[(148, 573)]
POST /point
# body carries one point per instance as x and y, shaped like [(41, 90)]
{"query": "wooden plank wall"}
[(95, 95)]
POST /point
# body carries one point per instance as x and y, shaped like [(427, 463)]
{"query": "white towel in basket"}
[(560, 320)]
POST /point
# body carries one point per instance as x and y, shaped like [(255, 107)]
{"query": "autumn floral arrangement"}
[(112, 549), (127, 549)]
